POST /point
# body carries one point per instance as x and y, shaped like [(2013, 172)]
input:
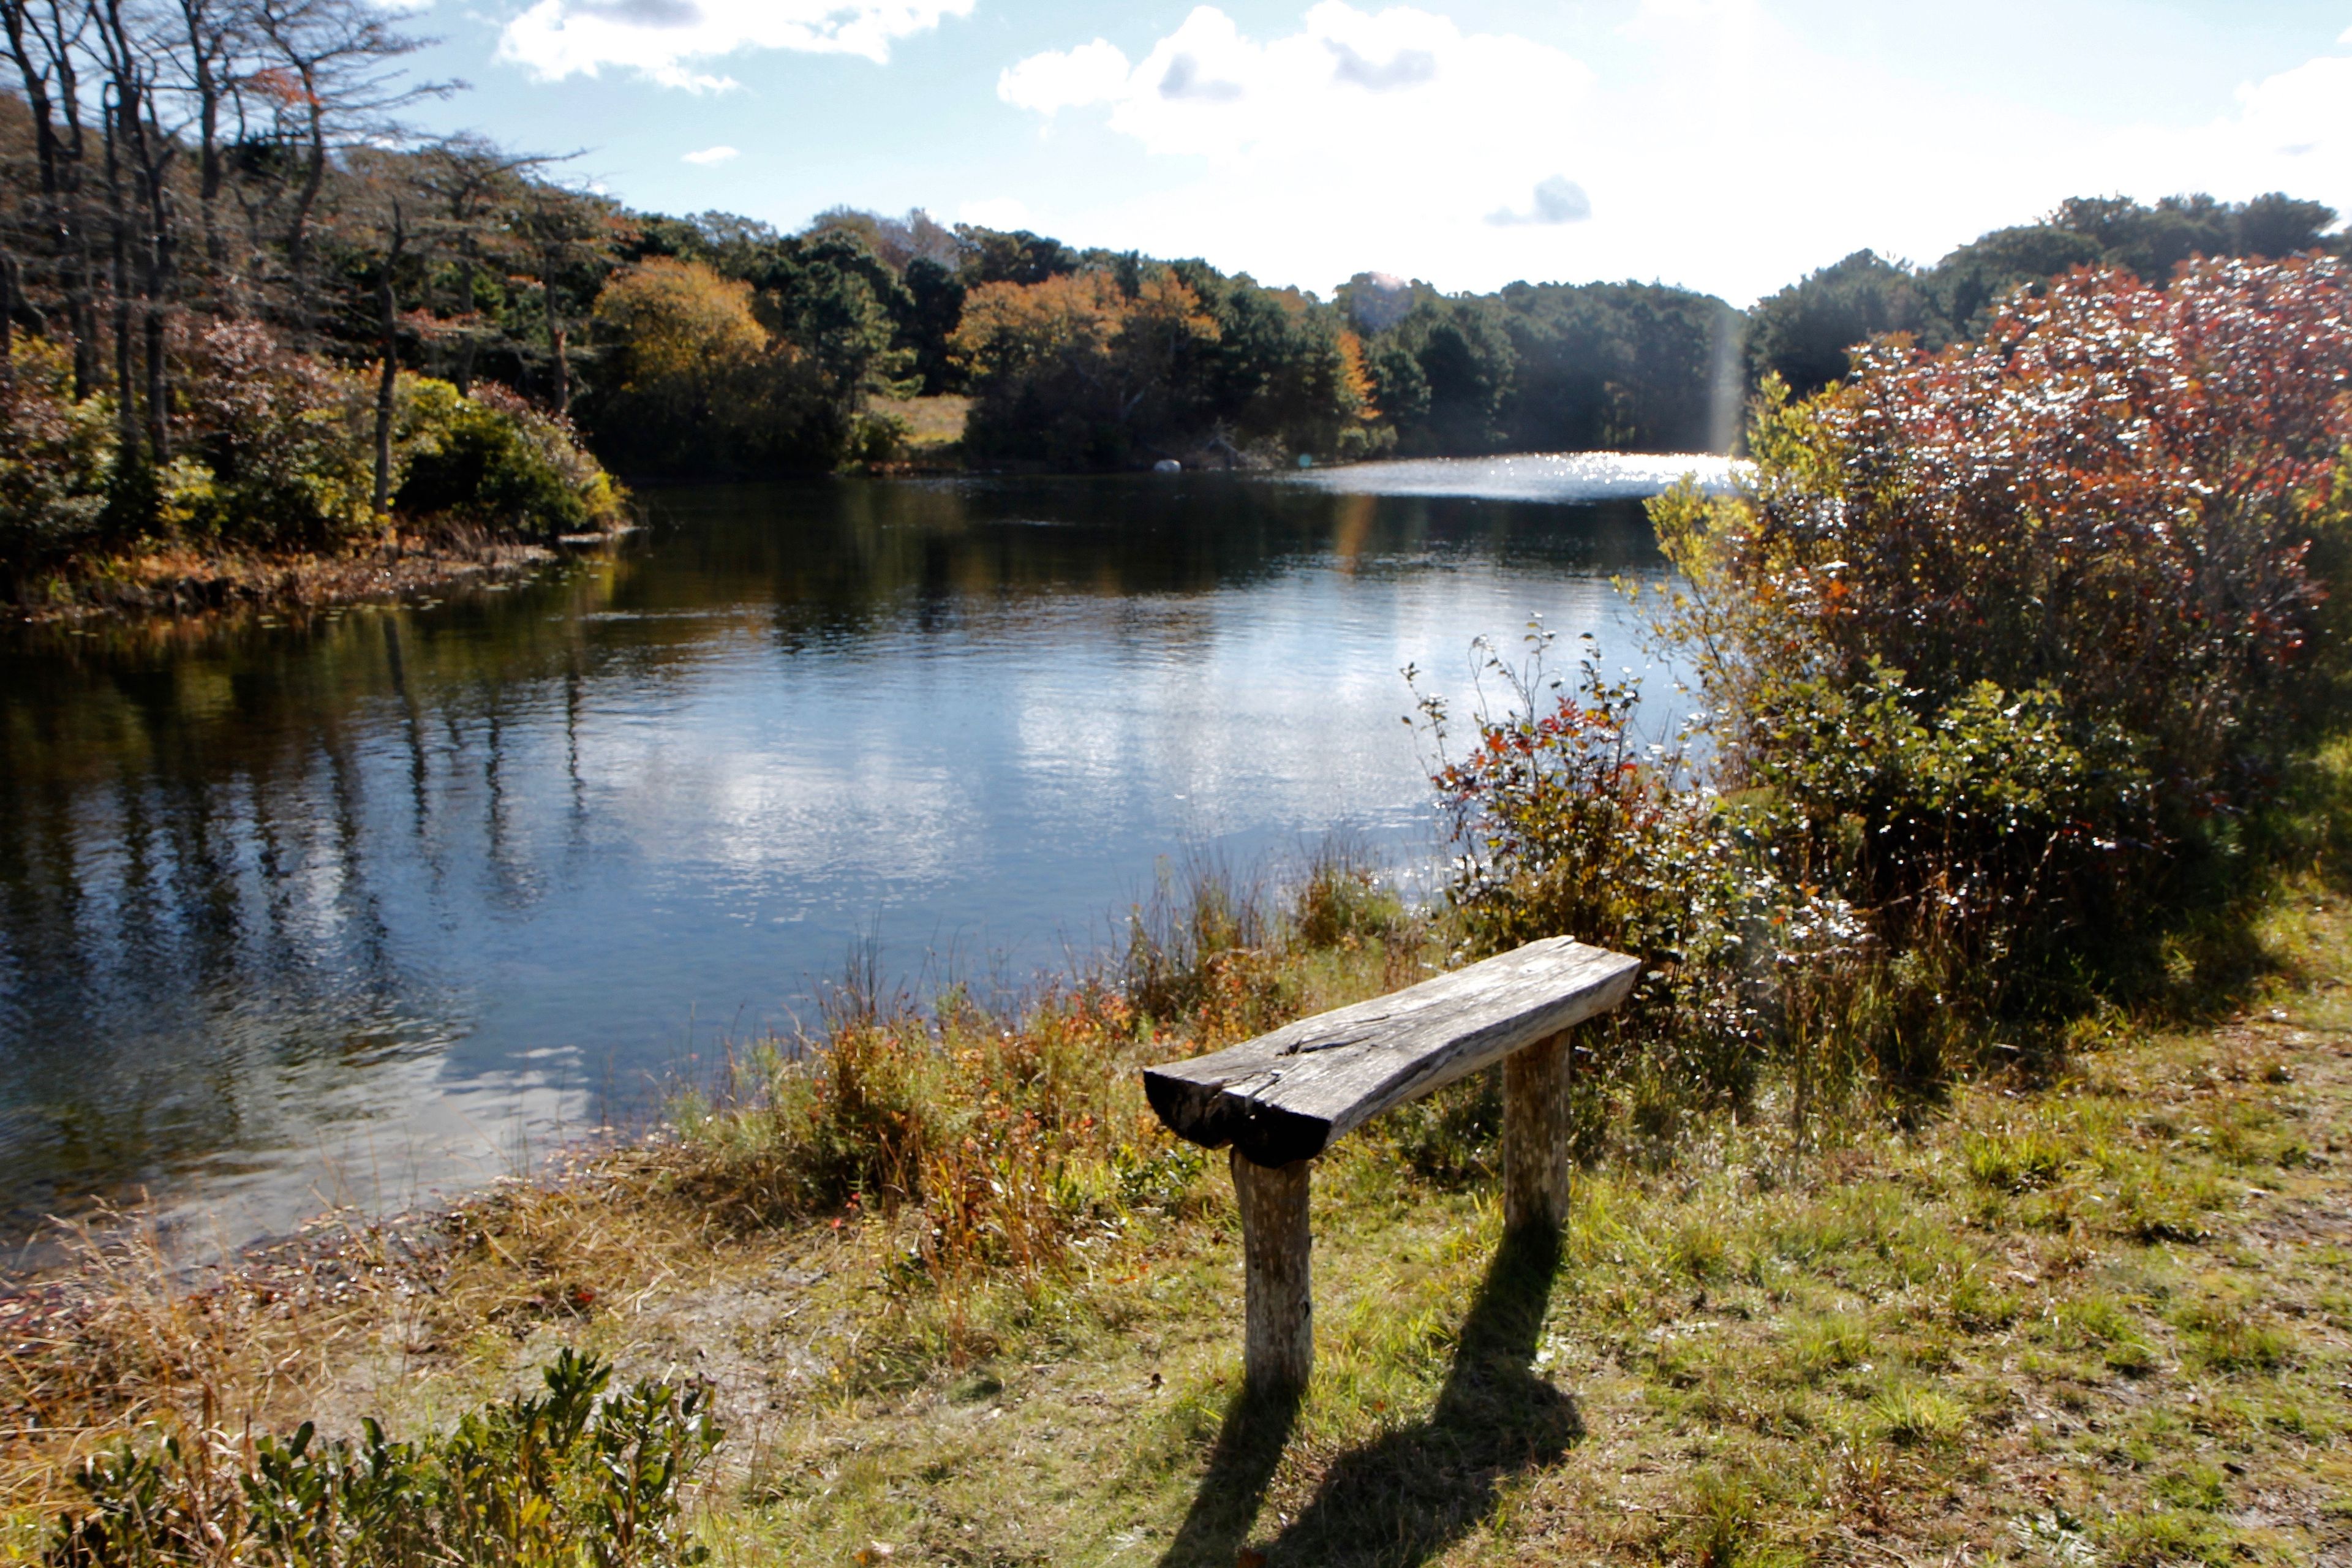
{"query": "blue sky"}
[(1724, 144)]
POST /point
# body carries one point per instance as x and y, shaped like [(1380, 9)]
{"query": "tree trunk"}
[(7, 327), (465, 372), (387, 306), (81, 326), (555, 341), (79, 253), (60, 159), (205, 79), (126, 399), (154, 151), (297, 228), (159, 388)]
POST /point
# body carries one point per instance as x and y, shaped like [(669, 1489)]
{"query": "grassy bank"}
[(958, 1301)]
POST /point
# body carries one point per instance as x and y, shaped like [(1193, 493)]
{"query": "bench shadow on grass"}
[(1403, 1499), (1241, 1466)]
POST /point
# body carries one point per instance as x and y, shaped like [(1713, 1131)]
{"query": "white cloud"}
[(2297, 116), (711, 155), (665, 39), (1324, 143), (1394, 139), (1065, 79), (1000, 212), (1557, 200), (2290, 132), (1396, 85)]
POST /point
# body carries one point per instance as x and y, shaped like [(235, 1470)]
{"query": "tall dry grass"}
[(995, 1140)]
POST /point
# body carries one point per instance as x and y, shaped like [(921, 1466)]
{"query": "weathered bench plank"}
[(1283, 1098), (1288, 1095)]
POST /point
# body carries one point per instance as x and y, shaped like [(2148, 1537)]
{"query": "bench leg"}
[(1536, 1136), (1279, 1352)]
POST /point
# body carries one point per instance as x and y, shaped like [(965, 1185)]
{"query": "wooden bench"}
[(1282, 1099)]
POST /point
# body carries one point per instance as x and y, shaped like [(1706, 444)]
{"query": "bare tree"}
[(571, 232), (387, 300), (344, 81), (140, 152), (44, 37), (214, 33), (478, 193), (7, 330)]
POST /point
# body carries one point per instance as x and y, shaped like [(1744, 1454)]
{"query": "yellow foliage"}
[(678, 322), (1165, 301)]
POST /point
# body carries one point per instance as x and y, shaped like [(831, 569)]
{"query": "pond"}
[(364, 906)]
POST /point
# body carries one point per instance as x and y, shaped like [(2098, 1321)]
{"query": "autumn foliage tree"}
[(1804, 333), (1078, 368), (2115, 494), (2077, 561), (1124, 360), (696, 384), (1287, 369)]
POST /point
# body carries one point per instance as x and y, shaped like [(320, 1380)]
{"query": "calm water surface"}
[(375, 904)]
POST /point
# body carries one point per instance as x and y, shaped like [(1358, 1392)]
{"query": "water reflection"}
[(358, 905)]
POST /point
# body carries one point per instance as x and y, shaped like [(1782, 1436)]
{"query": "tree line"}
[(724, 345), (206, 201)]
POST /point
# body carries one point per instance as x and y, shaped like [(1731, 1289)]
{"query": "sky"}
[(1728, 145)]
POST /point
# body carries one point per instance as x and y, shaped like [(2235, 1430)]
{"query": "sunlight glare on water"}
[(1531, 476)]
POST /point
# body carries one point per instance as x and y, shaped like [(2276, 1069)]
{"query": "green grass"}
[(2099, 1316), (933, 423), (1718, 1370)]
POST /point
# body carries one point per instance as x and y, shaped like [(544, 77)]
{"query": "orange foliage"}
[(1080, 321)]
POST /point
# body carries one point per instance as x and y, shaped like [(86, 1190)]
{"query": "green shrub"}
[(1343, 899), (1993, 645), (1569, 825), (2007, 628), (285, 437), (878, 438), (572, 1477), (56, 459), (493, 460), (271, 450)]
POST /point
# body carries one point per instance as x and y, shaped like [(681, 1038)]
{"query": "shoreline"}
[(179, 584)]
